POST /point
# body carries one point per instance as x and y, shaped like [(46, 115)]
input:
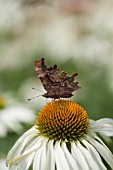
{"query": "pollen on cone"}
[(62, 120)]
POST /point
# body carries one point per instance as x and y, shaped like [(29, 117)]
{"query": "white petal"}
[(103, 150), (3, 164), (35, 145), (50, 160), (11, 125), (29, 160), (88, 157), (72, 164), (105, 121), (14, 168), (21, 142), (60, 159), (94, 154), (25, 163), (98, 139), (102, 126), (79, 157), (107, 139), (105, 126), (40, 157)]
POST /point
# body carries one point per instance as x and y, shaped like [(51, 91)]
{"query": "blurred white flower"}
[(3, 164), (13, 116), (58, 33), (63, 138), (9, 20), (61, 30)]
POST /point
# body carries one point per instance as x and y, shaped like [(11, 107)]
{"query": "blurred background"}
[(77, 35)]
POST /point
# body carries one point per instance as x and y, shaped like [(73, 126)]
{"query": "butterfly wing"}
[(56, 83)]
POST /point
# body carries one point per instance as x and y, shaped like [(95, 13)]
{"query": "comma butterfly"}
[(57, 83)]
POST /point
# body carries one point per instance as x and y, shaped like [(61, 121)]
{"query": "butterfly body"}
[(57, 84)]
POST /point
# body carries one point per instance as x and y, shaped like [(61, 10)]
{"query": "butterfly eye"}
[(62, 84)]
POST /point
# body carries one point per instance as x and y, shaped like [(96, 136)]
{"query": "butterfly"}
[(56, 83)]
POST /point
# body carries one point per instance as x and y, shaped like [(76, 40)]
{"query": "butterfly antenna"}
[(34, 97), (37, 89)]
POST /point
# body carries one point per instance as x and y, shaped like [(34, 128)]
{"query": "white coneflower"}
[(13, 116), (62, 138)]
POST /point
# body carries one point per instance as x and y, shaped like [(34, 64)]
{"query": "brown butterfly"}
[(57, 84)]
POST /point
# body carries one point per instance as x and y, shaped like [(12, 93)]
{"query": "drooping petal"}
[(21, 143), (24, 163), (35, 145), (60, 159), (78, 155), (40, 157), (50, 160), (94, 154), (72, 163), (102, 149), (92, 163), (13, 168)]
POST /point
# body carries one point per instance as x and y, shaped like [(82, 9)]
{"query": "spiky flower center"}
[(62, 120)]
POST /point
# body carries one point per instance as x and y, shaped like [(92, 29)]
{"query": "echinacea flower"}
[(13, 116), (63, 138)]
